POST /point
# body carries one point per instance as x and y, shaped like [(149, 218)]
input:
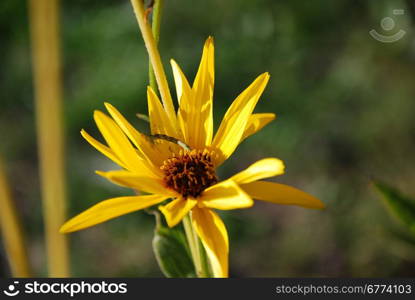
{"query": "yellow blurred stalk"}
[(44, 26), (11, 230)]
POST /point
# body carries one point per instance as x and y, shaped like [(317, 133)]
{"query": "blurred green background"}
[(345, 114)]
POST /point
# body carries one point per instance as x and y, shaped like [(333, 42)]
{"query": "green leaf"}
[(401, 235), (171, 250), (399, 205)]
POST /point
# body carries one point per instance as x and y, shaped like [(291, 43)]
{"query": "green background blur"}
[(345, 114)]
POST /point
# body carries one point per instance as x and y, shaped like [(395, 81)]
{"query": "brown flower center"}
[(190, 173)]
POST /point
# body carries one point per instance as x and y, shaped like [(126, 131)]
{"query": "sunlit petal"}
[(180, 80), (110, 209), (264, 168), (236, 118), (281, 194), (196, 106), (225, 195), (184, 96), (256, 122), (176, 210), (118, 142), (142, 142), (159, 120), (140, 181), (214, 237), (102, 148)]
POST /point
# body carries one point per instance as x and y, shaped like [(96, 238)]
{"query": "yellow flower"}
[(179, 159)]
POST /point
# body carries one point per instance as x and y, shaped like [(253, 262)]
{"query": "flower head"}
[(178, 161)]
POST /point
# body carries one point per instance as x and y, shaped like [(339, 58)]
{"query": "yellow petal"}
[(196, 108), (126, 127), (256, 122), (140, 181), (263, 168), (281, 194), (203, 94), (159, 120), (142, 142), (102, 148), (110, 209), (225, 195), (208, 61), (214, 237), (184, 94), (118, 142), (176, 210), (236, 118), (180, 81)]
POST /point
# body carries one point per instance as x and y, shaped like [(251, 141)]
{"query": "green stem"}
[(203, 259), (155, 28), (158, 79), (155, 60), (196, 248)]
